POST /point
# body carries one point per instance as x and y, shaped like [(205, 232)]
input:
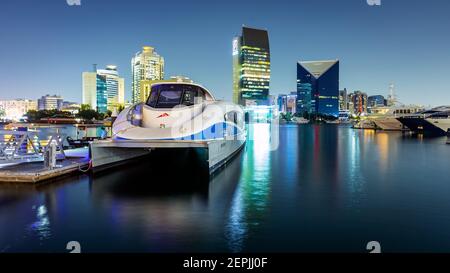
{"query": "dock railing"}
[(21, 146)]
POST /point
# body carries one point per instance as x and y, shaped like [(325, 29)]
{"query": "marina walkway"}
[(76, 160)]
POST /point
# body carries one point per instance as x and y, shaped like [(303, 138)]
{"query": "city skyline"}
[(387, 49)]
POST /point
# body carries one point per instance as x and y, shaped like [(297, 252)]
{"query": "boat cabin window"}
[(152, 99), (171, 95), (169, 98)]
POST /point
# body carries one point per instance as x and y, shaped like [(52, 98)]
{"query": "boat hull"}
[(442, 124), (209, 155), (424, 125), (222, 151)]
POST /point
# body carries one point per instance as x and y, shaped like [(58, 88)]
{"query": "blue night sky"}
[(45, 45)]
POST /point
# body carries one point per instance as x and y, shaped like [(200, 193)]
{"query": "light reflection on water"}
[(356, 175), (252, 195), (326, 188), (42, 225)]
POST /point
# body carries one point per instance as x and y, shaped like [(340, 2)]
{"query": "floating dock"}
[(76, 161), (36, 172), (104, 154)]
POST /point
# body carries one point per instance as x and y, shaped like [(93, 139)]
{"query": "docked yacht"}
[(435, 121), (177, 115), (385, 117), (300, 120)]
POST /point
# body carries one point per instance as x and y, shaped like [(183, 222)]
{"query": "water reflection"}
[(326, 188), (30, 213), (42, 224), (355, 183), (171, 212), (251, 199)]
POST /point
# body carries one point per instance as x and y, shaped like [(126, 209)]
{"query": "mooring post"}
[(50, 156)]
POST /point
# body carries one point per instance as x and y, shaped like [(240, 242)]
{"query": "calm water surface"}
[(325, 188)]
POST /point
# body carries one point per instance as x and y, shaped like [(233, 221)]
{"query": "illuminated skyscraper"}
[(251, 67), (318, 87), (103, 89), (146, 65), (115, 87)]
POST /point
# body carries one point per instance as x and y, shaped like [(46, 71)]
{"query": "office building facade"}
[(343, 100), (287, 103), (376, 101), (16, 109), (318, 87), (114, 87), (103, 89), (146, 65), (359, 101), (251, 67), (49, 102)]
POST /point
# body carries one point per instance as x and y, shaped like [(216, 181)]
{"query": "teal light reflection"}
[(251, 199)]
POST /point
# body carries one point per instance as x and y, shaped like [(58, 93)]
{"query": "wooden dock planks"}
[(36, 172)]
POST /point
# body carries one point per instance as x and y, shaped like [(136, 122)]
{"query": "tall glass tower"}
[(251, 67), (145, 65), (103, 89), (102, 95), (115, 89), (318, 87)]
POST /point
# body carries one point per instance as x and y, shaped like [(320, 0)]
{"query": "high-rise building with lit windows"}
[(146, 65), (115, 87), (251, 67), (103, 89), (318, 87)]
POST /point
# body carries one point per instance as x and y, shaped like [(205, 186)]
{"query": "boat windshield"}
[(171, 95), (169, 98)]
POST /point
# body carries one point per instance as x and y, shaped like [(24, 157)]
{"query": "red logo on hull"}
[(163, 115)]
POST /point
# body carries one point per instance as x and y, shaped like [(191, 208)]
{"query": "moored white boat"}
[(435, 121), (385, 117), (182, 116)]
